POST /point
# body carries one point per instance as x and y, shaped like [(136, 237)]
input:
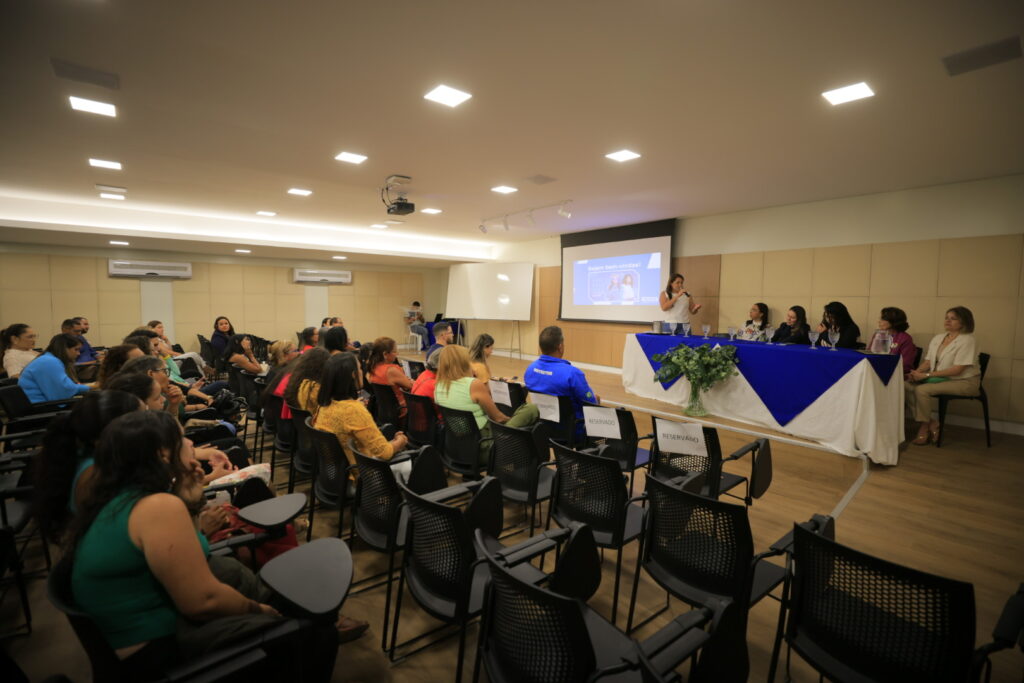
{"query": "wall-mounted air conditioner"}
[(133, 268), (324, 277)]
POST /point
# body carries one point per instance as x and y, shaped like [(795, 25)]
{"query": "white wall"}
[(157, 303)]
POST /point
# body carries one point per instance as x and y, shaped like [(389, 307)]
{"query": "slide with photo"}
[(633, 280)]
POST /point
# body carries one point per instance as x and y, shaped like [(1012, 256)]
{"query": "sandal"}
[(922, 439)]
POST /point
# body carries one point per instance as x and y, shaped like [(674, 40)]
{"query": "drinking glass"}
[(686, 329), (769, 332), (813, 336), (706, 329), (732, 334), (833, 338)]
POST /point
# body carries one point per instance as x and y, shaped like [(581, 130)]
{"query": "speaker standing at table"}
[(677, 303)]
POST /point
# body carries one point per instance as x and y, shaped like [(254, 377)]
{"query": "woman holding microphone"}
[(677, 303)]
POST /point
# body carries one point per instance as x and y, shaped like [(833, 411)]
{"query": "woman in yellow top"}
[(304, 383), (342, 413), (481, 350)]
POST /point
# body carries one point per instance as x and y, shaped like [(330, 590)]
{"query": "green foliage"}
[(702, 366)]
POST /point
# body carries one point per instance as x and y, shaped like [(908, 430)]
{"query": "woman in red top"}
[(894, 321), (383, 369)]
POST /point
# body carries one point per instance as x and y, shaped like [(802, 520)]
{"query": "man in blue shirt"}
[(88, 354), (552, 374), (444, 336)]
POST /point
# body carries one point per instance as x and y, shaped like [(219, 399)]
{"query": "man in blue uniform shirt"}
[(552, 374)]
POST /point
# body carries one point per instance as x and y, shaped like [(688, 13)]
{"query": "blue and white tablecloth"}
[(849, 402)]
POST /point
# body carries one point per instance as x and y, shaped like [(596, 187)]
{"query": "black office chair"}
[(589, 489), (516, 396), (564, 430), (332, 487), (421, 424), (519, 466), (696, 548), (625, 446), (387, 408), (303, 464), (854, 617), (944, 399), (462, 442), (667, 465)]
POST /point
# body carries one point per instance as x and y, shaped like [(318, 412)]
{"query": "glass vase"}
[(695, 406)]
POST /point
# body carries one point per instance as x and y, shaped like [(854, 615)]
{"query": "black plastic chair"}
[(519, 466), (20, 414), (529, 633), (229, 663), (697, 549), (462, 442), (387, 408), (516, 396), (11, 573), (944, 399), (440, 562), (589, 489), (626, 447), (303, 455), (421, 420), (282, 430), (854, 617), (667, 466), (563, 431), (332, 486)]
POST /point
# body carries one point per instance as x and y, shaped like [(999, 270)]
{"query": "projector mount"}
[(399, 206)]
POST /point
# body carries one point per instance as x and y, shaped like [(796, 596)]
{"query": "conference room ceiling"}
[(223, 106)]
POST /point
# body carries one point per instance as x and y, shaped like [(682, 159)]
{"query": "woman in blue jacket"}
[(52, 376)]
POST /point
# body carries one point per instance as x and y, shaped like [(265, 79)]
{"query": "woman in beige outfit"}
[(952, 356)]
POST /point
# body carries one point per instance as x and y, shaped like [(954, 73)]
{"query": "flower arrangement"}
[(702, 366)]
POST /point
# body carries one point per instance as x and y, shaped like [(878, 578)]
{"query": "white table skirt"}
[(858, 415)]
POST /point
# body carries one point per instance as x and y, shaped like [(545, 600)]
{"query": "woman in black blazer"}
[(795, 329), (837, 318)]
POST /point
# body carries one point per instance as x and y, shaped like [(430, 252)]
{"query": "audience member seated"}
[(335, 340), (304, 382), (88, 354), (138, 542), (201, 365), (425, 383), (458, 389), (223, 331), (310, 338), (17, 342), (552, 374), (950, 366), (893, 321), (239, 353), (173, 397), (280, 354), (115, 359), (196, 391), (328, 322), (52, 376), (481, 350), (443, 336), (340, 412), (754, 329), (837, 319), (677, 303), (385, 371), (417, 325), (64, 466), (795, 329)]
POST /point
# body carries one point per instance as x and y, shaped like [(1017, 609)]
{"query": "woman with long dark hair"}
[(223, 331), (304, 384), (754, 329), (17, 342), (795, 329), (677, 303), (310, 338), (52, 376), (115, 359), (240, 354), (334, 339), (836, 318), (384, 371)]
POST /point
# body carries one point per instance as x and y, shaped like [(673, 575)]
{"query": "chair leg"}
[(988, 429), (387, 602), (615, 593), (462, 650), (398, 612), (943, 403), (636, 587), (780, 628)]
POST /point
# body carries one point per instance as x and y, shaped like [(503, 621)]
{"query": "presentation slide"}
[(616, 281)]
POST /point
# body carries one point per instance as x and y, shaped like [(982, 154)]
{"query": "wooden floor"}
[(954, 511)]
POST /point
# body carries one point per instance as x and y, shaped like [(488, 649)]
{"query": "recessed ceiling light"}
[(857, 91), (103, 163), (266, 213), (393, 222), (111, 195), (430, 211), (447, 96), (339, 258), (623, 155), (504, 189), (92, 106), (503, 277), (243, 251), (119, 243), (110, 188), (379, 226), (300, 192), (351, 158)]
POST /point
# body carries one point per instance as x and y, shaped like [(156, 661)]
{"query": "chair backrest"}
[(885, 621), (386, 404), (983, 359), (248, 388), (439, 549), (917, 358), (515, 459), (105, 664), (564, 430), (706, 458), (378, 498), (303, 448), (705, 543), (516, 396), (427, 473), (421, 419), (332, 462), (206, 351), (272, 410), (234, 381), (461, 440), (533, 634), (589, 489), (416, 368), (622, 447), (14, 401)]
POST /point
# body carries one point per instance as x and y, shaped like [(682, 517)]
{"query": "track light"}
[(483, 228), (564, 211), (505, 222)]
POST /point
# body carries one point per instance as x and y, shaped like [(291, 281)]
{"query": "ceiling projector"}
[(399, 206)]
